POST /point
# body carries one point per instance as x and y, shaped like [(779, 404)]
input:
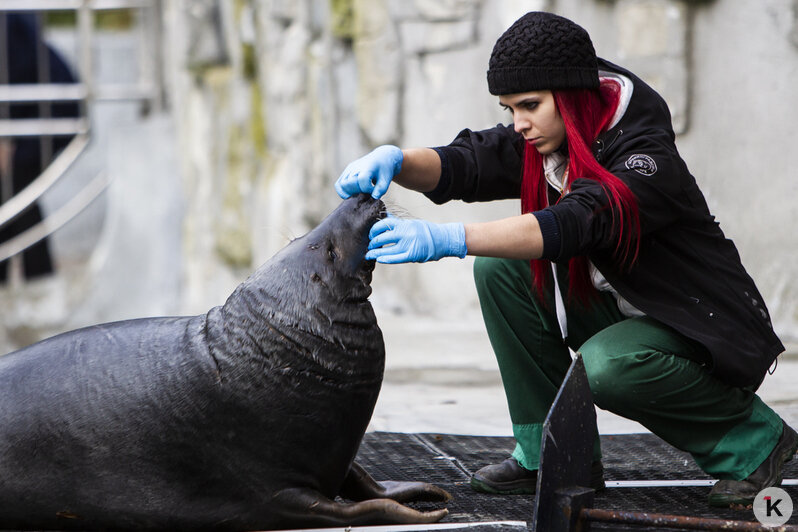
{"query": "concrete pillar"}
[(653, 43)]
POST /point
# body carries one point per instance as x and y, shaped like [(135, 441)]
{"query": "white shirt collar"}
[(626, 94), (554, 165)]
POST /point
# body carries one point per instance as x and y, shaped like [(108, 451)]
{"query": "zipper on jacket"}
[(600, 147)]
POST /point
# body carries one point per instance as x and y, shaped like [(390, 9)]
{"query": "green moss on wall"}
[(257, 121), (107, 19), (249, 61), (66, 19), (233, 240), (342, 19)]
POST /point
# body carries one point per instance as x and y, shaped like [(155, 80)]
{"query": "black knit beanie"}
[(542, 51)]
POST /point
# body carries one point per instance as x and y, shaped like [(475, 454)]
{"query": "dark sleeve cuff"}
[(550, 229), (440, 194)]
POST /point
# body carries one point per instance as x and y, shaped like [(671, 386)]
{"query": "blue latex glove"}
[(394, 240), (371, 174)]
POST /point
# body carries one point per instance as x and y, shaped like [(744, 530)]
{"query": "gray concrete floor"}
[(442, 377)]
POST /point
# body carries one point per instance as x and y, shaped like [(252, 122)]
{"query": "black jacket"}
[(688, 274)]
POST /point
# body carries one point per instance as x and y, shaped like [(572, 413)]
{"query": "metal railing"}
[(147, 89)]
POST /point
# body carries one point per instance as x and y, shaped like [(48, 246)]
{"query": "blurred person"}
[(21, 158), (615, 255)]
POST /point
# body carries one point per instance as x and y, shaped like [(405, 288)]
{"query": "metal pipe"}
[(676, 521), (74, 92), (146, 29), (85, 31), (42, 92), (676, 483), (157, 30), (421, 527), (37, 127), (7, 170), (67, 5), (28, 195), (43, 76), (54, 222)]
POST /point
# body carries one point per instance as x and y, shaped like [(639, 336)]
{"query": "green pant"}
[(637, 368)]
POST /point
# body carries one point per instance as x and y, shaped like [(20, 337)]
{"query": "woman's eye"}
[(508, 109), (530, 106)]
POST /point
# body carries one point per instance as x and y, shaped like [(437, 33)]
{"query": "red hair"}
[(586, 113)]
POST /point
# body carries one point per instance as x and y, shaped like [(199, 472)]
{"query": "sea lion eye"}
[(332, 254)]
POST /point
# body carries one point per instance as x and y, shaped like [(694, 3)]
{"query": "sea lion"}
[(247, 417)]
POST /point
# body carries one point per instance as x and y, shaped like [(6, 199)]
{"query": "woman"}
[(615, 255)]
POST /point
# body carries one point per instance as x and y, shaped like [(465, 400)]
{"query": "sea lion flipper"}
[(414, 491), (360, 486), (310, 508), (387, 511)]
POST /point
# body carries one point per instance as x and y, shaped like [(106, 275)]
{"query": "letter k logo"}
[(772, 507)]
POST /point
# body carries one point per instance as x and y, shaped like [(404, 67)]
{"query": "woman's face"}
[(536, 117)]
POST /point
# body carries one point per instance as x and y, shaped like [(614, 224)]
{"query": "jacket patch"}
[(642, 164)]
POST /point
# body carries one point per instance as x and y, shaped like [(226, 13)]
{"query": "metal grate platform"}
[(448, 460)]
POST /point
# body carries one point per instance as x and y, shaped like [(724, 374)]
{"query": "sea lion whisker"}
[(394, 209)]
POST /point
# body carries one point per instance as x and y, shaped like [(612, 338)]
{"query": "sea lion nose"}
[(372, 209), (382, 210)]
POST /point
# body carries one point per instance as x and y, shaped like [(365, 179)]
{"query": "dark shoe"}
[(510, 478), (729, 492)]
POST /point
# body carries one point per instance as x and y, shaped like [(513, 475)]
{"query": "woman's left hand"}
[(394, 240)]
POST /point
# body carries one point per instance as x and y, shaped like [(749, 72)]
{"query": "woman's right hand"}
[(371, 174)]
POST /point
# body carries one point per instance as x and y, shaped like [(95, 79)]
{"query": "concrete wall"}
[(338, 78), (745, 111), (270, 99)]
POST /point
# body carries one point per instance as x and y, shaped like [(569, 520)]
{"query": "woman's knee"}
[(485, 269), (606, 375), (491, 272)]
